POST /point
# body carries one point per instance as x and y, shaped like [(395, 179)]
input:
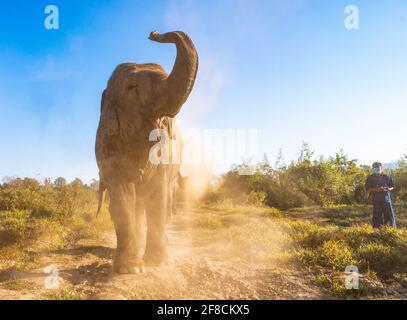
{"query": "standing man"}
[(378, 186)]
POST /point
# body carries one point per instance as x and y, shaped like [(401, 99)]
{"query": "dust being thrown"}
[(218, 252)]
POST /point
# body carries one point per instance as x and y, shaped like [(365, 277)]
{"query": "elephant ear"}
[(106, 137), (109, 122), (102, 103)]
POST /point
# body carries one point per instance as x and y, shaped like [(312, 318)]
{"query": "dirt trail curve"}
[(198, 271)]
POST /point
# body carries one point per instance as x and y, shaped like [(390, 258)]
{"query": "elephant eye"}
[(132, 87)]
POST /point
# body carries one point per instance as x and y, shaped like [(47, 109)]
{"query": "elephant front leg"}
[(140, 232), (122, 210), (156, 214)]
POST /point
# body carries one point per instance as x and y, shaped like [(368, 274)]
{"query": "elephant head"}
[(147, 88)]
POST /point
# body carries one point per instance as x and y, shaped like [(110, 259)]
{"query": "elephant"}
[(138, 100)]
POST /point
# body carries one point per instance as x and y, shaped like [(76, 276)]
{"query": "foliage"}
[(330, 249), (67, 294), (52, 215), (307, 181), (399, 175), (58, 200)]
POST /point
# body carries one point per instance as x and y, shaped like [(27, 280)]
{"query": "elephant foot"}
[(129, 267), (156, 260)]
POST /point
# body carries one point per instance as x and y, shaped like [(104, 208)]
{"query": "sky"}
[(289, 69)]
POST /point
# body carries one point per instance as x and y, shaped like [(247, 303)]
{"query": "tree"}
[(77, 183), (306, 153), (60, 182)]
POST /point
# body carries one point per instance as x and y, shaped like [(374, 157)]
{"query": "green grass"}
[(329, 249), (332, 254), (21, 235), (326, 240), (67, 294), (226, 207), (342, 215)]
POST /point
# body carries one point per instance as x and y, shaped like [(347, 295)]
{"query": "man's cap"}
[(376, 164)]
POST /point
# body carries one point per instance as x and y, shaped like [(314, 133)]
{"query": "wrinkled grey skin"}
[(138, 99)]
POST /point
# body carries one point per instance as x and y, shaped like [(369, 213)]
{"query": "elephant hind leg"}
[(122, 210), (170, 202)]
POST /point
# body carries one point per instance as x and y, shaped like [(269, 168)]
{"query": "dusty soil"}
[(201, 269)]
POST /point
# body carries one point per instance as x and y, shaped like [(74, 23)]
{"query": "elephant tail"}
[(102, 196)]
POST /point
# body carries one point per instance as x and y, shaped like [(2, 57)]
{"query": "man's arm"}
[(391, 184)]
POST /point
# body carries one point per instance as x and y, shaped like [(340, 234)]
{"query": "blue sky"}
[(287, 68)]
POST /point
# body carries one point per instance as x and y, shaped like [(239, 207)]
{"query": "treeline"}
[(307, 181), (57, 199)]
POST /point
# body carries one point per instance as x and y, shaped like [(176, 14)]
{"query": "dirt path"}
[(201, 269)]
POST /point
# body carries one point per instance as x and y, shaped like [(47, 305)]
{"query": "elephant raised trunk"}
[(175, 90)]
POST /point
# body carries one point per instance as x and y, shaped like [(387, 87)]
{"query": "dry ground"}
[(215, 256)]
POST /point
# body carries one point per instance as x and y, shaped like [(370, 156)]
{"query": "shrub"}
[(359, 235), (12, 227), (335, 255), (384, 259), (60, 210), (51, 200), (18, 227), (257, 198), (381, 252), (307, 181), (309, 235)]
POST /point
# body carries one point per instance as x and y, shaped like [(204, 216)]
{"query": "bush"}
[(257, 198), (309, 235), (52, 200), (12, 227), (335, 255), (61, 212), (383, 259), (307, 181), (382, 252), (18, 227)]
